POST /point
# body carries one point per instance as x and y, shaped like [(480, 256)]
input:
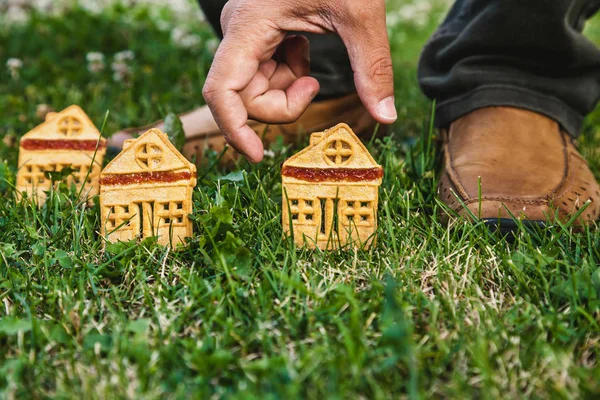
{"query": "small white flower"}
[(14, 63), (42, 110), (126, 55), (184, 39), (41, 5), (14, 67), (177, 34), (96, 67), (212, 45), (416, 13), (167, 12), (95, 62), (121, 71), (15, 15), (93, 7), (191, 41), (120, 66), (118, 77), (163, 25), (269, 153), (94, 56)]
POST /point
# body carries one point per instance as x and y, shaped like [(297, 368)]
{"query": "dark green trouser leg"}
[(330, 64), (523, 53)]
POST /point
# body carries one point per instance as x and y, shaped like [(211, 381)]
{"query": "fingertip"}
[(386, 110), (383, 111), (255, 152), (310, 86), (248, 144), (255, 159), (300, 95)]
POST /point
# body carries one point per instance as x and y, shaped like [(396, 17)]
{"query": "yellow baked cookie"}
[(66, 139), (331, 192), (147, 191)]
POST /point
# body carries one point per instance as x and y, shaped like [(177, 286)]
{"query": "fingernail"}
[(386, 109)]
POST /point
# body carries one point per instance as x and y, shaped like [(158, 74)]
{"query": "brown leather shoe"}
[(527, 166), (318, 117)]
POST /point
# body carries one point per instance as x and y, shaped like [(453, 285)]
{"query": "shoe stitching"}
[(459, 207), (566, 169), (562, 213), (450, 171), (564, 193), (508, 200), (539, 201)]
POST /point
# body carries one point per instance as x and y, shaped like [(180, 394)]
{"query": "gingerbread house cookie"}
[(331, 192), (66, 139), (147, 191)]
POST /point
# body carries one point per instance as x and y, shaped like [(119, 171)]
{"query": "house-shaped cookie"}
[(147, 191), (66, 139), (331, 192)]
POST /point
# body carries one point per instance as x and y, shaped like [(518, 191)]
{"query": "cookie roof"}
[(72, 123), (337, 147), (152, 152)]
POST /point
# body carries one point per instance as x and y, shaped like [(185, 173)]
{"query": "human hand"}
[(261, 74)]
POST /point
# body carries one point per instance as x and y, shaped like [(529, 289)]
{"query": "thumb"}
[(364, 33)]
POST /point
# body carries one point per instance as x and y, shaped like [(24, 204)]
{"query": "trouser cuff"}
[(508, 96)]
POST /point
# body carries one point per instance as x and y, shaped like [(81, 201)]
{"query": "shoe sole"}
[(506, 226)]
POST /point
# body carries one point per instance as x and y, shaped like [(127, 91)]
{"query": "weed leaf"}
[(13, 325)]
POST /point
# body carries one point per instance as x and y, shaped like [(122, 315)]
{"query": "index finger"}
[(232, 70), (236, 64)]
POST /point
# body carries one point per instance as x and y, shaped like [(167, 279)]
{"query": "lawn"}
[(432, 311)]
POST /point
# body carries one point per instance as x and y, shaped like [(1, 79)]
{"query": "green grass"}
[(434, 310)]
